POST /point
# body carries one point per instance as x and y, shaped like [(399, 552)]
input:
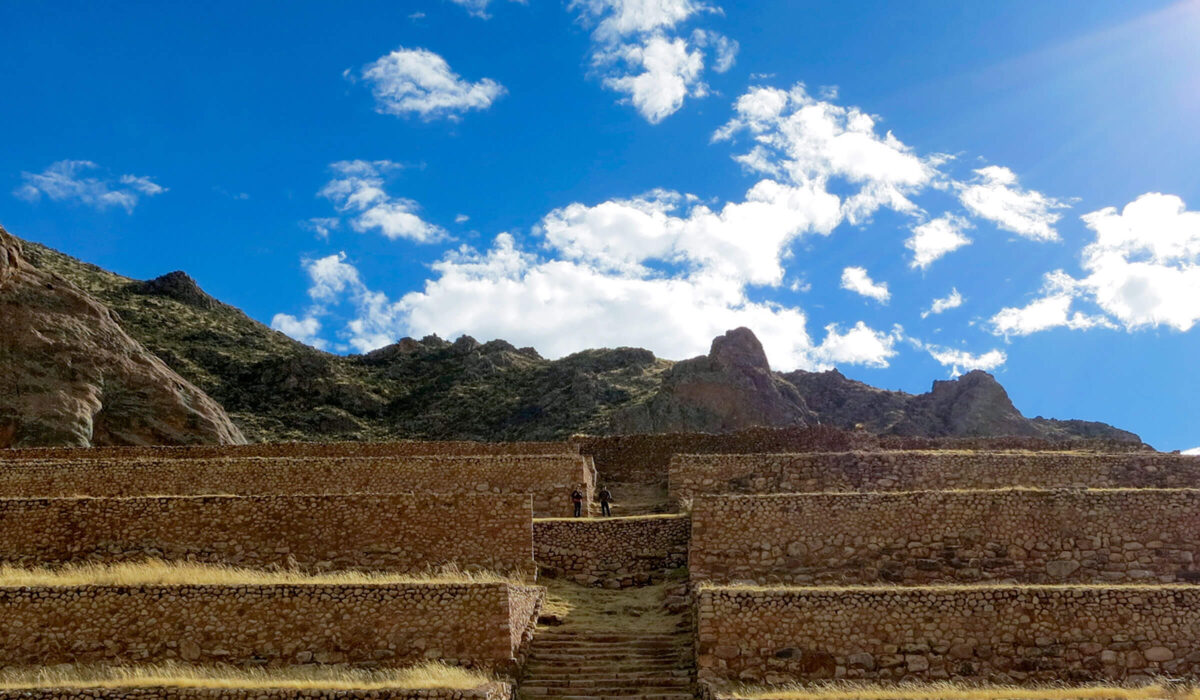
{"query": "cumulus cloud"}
[(950, 301), (322, 225), (858, 281), (638, 52), (418, 81), (68, 180), (305, 329), (476, 8), (814, 141), (357, 190), (860, 345), (1142, 271), (933, 239), (995, 195), (960, 361), (1193, 451)]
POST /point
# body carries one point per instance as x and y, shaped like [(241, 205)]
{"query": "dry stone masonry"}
[(1031, 536), (482, 625), (997, 634), (407, 533), (614, 552), (548, 478), (697, 475), (407, 448), (490, 691)]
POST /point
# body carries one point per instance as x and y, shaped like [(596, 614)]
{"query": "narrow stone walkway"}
[(595, 644)]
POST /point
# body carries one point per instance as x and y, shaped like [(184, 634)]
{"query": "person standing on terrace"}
[(577, 499), (605, 499)]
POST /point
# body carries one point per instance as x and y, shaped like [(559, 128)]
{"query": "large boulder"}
[(72, 376)]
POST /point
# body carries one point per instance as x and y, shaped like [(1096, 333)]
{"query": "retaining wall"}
[(398, 532), (361, 624), (490, 691), (407, 448), (991, 634), (548, 478), (616, 552), (948, 536), (697, 475)]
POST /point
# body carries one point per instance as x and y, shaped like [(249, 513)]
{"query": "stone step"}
[(610, 653), (555, 674), (587, 648), (559, 671), (616, 696), (606, 637), (608, 683)]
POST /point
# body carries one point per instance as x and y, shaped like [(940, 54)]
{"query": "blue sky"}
[(900, 190)]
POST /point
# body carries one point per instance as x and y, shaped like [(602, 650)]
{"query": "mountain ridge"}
[(275, 388)]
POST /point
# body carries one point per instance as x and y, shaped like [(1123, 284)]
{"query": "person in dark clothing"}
[(577, 499), (605, 499)]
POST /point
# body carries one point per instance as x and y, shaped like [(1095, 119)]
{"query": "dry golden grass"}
[(627, 611), (430, 675), (651, 516), (152, 572), (951, 587), (956, 691)]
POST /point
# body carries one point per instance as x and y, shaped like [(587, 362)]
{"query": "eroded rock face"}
[(731, 388), (71, 376)]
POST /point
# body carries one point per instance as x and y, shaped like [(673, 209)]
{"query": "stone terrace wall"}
[(377, 624), (992, 634), (948, 536), (616, 552), (490, 691), (644, 458), (398, 532), (407, 448), (695, 475), (548, 478)]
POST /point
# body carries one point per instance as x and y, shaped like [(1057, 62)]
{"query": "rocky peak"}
[(180, 286), (739, 350)]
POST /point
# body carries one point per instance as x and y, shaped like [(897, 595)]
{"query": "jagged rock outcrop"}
[(177, 285), (72, 376), (731, 388)]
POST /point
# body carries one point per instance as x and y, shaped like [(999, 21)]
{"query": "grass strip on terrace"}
[(618, 518), (1002, 489), (175, 675), (156, 572), (955, 691), (950, 587)]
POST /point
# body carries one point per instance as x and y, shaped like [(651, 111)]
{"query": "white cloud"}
[(951, 301), (1051, 310), (1143, 271), (357, 190), (1193, 451), (476, 8), (814, 141), (1144, 264), (461, 219), (858, 281), (305, 330), (65, 180), (933, 239), (662, 72), (637, 52), (995, 195), (418, 81), (322, 225), (861, 345), (960, 361)]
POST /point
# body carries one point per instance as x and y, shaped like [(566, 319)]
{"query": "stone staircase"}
[(598, 665)]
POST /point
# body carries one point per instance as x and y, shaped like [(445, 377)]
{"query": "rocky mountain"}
[(72, 375), (275, 388)]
